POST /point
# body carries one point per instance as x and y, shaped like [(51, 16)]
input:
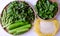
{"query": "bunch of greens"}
[(46, 9), (17, 17)]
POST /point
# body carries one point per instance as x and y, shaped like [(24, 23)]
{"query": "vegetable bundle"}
[(17, 17), (46, 9)]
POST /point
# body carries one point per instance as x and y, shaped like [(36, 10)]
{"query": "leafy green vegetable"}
[(46, 9)]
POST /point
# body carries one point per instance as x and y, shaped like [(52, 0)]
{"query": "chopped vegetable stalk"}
[(20, 30)]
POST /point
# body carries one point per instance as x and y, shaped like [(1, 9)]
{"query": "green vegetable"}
[(46, 9), (17, 17), (20, 30), (16, 25), (4, 17)]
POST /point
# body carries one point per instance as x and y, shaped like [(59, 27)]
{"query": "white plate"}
[(3, 3)]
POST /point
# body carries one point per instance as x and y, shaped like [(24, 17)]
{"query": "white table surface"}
[(3, 3)]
